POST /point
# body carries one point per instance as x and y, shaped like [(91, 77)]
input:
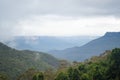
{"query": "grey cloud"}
[(11, 11), (21, 8), (79, 7)]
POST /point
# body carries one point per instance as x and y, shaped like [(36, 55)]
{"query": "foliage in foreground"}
[(103, 67)]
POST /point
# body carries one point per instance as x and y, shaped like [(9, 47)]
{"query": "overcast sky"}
[(58, 17)]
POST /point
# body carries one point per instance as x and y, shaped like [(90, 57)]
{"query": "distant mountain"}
[(14, 62), (95, 47), (47, 43)]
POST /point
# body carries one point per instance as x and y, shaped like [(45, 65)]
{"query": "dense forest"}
[(15, 62), (103, 67)]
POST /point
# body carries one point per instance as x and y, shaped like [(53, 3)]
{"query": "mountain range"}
[(93, 48), (13, 62), (47, 43)]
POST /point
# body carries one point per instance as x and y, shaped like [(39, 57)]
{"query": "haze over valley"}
[(47, 43)]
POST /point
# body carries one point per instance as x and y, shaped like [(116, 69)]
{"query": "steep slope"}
[(14, 62), (107, 42)]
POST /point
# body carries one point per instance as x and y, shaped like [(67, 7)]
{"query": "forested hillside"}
[(103, 67), (14, 62)]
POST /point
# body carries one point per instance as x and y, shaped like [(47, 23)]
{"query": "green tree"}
[(38, 76), (113, 72), (82, 68), (76, 74), (62, 76), (85, 76), (70, 73), (3, 77), (97, 71)]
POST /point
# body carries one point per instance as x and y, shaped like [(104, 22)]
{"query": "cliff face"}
[(112, 34)]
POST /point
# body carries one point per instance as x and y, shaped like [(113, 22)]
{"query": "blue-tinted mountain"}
[(95, 47), (47, 43)]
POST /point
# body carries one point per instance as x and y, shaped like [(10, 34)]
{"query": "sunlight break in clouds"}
[(53, 25)]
